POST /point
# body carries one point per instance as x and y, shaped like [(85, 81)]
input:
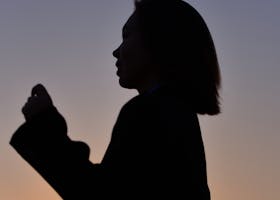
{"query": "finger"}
[(39, 90), (31, 98), (25, 109)]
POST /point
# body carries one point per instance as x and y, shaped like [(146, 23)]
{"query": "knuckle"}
[(24, 110)]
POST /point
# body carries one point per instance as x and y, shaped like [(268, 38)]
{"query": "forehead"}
[(131, 23)]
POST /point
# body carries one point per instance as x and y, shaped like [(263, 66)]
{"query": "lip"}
[(118, 67), (117, 64), (118, 72)]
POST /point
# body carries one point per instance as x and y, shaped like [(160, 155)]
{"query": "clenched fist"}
[(38, 102)]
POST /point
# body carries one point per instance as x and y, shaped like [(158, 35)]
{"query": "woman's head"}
[(135, 69), (178, 50)]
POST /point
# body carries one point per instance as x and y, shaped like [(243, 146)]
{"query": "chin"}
[(126, 84)]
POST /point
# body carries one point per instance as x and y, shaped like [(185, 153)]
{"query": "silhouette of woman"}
[(156, 149)]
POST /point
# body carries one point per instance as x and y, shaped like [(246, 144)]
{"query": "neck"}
[(148, 87)]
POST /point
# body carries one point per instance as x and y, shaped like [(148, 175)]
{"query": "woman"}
[(156, 149)]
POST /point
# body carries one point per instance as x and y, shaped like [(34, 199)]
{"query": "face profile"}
[(134, 63)]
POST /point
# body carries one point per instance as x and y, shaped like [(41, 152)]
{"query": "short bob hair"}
[(182, 46)]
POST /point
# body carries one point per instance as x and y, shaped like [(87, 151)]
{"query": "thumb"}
[(40, 91)]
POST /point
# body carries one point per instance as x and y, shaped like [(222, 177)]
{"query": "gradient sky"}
[(67, 45)]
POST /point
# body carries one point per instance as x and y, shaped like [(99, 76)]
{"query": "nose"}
[(116, 52)]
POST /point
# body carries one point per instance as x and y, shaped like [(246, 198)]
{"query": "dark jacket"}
[(156, 151)]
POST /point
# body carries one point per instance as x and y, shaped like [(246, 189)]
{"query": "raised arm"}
[(43, 142)]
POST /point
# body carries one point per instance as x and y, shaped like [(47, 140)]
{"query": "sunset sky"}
[(67, 46)]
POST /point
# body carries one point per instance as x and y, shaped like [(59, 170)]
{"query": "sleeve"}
[(63, 163)]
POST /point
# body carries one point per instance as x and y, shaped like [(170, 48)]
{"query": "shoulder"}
[(162, 101), (137, 106), (176, 112), (164, 106)]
